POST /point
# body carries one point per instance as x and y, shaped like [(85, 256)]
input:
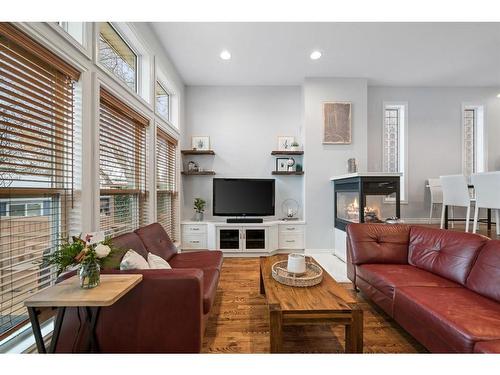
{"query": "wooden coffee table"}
[(325, 303)]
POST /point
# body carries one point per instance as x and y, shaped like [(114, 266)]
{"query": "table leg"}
[(354, 333), (276, 328), (489, 218), (37, 332), (57, 329), (446, 217), (92, 321)]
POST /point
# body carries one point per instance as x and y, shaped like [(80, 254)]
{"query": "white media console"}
[(243, 239)]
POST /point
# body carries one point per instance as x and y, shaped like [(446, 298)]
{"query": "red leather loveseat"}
[(442, 287), (165, 313)]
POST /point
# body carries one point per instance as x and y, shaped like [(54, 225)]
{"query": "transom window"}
[(75, 29), (117, 56), (162, 101)]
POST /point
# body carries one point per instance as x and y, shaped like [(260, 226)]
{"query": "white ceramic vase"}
[(296, 263)]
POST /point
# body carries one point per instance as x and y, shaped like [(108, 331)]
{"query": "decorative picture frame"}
[(285, 142), (281, 164), (200, 142), (337, 128)]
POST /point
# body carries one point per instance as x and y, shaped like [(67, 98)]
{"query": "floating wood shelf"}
[(202, 173), (287, 153), (286, 173), (197, 152)]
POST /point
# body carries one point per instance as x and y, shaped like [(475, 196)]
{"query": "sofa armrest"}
[(487, 347), (162, 314), (378, 243)]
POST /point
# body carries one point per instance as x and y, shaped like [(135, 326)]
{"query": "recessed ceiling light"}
[(498, 95), (315, 55), (225, 55)]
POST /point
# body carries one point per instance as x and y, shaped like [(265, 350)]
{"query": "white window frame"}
[(86, 46), (480, 144), (403, 147), (170, 95), (143, 70), (174, 110)]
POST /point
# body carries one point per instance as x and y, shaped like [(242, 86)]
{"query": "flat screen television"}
[(243, 197)]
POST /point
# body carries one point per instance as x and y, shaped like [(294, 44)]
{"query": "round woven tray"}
[(312, 276)]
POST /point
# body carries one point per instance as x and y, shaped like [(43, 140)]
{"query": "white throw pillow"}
[(133, 261), (157, 263)]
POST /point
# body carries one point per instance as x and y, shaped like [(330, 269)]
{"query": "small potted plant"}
[(199, 207), (82, 254), (294, 146)]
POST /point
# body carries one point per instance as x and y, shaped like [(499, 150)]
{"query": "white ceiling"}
[(392, 54)]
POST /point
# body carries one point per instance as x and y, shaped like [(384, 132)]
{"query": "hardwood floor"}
[(239, 322)]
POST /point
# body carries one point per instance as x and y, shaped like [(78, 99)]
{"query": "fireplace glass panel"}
[(378, 208), (348, 206)]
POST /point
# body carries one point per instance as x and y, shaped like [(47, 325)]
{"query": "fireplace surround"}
[(366, 198)]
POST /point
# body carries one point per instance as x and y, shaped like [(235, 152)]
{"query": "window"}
[(36, 167), (75, 29), (166, 183), (473, 140), (162, 101), (394, 142), (22, 207), (117, 56), (122, 166)]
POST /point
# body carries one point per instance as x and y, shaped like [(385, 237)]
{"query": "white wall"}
[(434, 134), (324, 161), (243, 124)]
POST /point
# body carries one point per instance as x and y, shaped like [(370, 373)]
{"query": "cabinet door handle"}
[(290, 241), (290, 228), (195, 241), (195, 228)]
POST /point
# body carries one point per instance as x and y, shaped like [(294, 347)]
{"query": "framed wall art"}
[(337, 123)]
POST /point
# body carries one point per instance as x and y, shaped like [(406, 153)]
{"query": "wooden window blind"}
[(166, 183), (36, 167), (122, 166)]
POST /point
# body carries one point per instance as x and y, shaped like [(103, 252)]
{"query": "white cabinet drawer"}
[(194, 241), (291, 241), (194, 228), (291, 228)]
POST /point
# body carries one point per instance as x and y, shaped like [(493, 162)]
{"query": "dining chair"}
[(436, 191), (455, 193), (487, 191)]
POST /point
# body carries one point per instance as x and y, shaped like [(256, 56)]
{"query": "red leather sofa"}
[(165, 313), (442, 287)]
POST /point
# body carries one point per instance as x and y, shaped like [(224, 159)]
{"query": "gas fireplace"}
[(366, 198)]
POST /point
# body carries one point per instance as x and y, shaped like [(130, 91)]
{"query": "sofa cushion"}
[(447, 319), (122, 244), (157, 241), (208, 259), (445, 253), (487, 347), (388, 277), (378, 243), (484, 278), (210, 281)]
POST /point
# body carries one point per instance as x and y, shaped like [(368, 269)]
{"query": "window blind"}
[(122, 166), (166, 183), (36, 167)]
